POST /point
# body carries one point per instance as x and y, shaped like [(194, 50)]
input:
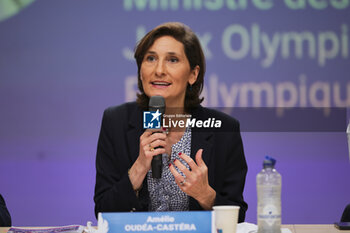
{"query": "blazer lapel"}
[(134, 131), (203, 139)]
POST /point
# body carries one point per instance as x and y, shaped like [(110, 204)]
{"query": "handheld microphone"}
[(157, 103)]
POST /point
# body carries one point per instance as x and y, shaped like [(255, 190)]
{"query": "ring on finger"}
[(182, 183), (150, 147)]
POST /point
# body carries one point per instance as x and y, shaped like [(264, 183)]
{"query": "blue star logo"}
[(151, 119)]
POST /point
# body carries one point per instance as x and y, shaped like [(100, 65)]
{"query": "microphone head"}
[(157, 102)]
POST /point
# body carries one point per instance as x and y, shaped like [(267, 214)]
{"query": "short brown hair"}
[(194, 54)]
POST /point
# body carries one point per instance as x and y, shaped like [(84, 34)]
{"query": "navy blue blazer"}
[(118, 149), (5, 218)]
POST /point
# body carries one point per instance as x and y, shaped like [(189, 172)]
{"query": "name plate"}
[(184, 221)]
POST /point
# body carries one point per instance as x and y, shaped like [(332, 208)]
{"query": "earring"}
[(190, 87)]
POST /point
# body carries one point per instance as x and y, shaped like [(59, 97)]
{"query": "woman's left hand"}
[(195, 183)]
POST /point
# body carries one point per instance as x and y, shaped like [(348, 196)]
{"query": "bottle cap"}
[(269, 161)]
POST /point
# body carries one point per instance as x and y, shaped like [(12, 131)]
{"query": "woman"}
[(201, 168)]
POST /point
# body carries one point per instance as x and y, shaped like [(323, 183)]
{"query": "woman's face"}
[(165, 71)]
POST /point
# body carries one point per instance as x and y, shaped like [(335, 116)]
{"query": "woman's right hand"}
[(152, 143)]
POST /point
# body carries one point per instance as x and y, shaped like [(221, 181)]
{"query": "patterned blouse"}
[(165, 194)]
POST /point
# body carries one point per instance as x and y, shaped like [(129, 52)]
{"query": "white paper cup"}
[(226, 218)]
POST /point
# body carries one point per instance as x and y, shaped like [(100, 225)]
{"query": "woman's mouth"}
[(160, 84)]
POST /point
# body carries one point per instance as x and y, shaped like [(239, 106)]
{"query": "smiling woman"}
[(9, 8), (184, 52), (165, 71), (200, 168)]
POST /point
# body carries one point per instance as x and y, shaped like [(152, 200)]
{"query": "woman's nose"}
[(160, 68)]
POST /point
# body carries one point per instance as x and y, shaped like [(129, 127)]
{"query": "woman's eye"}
[(173, 60), (150, 58)]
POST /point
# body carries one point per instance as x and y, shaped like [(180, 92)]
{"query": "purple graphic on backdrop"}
[(63, 62)]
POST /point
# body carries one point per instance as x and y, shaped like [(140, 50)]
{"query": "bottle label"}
[(270, 214)]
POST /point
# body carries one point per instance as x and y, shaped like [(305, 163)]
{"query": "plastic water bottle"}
[(269, 183)]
